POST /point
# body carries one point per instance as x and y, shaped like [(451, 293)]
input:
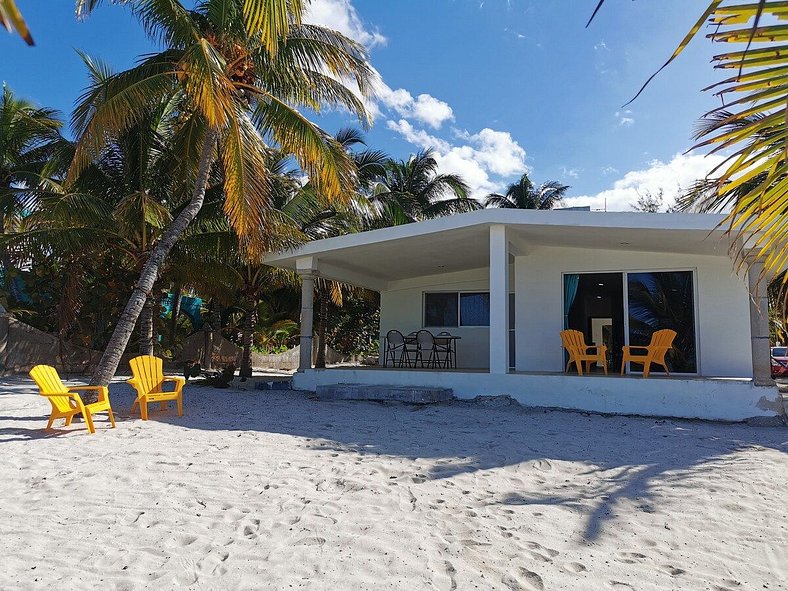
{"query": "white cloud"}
[(671, 177), (609, 170), (625, 118), (483, 159), (570, 172), (340, 15), (425, 108)]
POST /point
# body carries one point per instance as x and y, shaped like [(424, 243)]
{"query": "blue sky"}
[(497, 87)]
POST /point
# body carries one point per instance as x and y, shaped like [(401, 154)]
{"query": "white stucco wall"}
[(722, 305), (401, 308)]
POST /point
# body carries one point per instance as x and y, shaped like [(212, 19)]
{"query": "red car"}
[(779, 362)]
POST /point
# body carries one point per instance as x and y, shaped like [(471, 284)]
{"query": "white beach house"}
[(505, 282)]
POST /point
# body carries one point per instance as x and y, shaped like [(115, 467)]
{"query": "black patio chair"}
[(425, 346)]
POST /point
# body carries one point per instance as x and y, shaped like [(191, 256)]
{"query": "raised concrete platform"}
[(722, 399), (410, 394)]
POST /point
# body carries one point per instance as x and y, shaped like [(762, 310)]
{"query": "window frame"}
[(625, 284), (459, 293)]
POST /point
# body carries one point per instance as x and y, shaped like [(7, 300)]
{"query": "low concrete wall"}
[(288, 360), (22, 347), (707, 398), (225, 352)]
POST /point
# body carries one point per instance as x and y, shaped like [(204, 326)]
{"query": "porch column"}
[(499, 300), (306, 269), (759, 325)]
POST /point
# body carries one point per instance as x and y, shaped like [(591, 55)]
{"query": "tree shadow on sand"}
[(613, 459)]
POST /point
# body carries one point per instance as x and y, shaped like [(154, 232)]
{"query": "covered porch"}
[(510, 267)]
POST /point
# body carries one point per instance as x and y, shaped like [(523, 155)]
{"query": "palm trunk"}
[(176, 310), (246, 341), (146, 327), (320, 358), (150, 272)]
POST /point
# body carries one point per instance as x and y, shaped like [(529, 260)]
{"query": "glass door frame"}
[(625, 287)]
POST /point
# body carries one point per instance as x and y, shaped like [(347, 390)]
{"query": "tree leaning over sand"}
[(235, 77), (523, 194)]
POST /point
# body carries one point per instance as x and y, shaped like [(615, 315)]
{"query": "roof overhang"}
[(461, 242)]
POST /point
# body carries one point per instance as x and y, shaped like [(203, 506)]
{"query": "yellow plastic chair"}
[(661, 343), (149, 380), (579, 352), (65, 400)]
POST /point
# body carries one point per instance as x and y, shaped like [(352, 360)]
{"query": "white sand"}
[(272, 490)]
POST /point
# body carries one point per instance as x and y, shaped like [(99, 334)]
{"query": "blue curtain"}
[(571, 281)]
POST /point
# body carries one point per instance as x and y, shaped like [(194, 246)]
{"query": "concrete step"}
[(410, 394)]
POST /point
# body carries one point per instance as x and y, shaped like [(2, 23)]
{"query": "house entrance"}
[(594, 305)]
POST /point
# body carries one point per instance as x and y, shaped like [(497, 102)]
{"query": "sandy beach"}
[(275, 490)]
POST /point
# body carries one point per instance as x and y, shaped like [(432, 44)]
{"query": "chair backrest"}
[(49, 382), (661, 343), (394, 338), (572, 340), (148, 371), (425, 339)]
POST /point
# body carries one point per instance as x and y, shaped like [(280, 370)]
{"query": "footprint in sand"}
[(619, 586), (630, 557), (574, 567), (672, 570), (213, 562), (310, 541), (252, 530), (539, 548), (543, 465), (525, 580), (186, 540)]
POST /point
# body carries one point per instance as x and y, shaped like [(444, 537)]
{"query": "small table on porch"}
[(445, 349)]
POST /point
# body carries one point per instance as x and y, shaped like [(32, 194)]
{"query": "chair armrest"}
[(102, 390), (628, 347), (179, 382), (73, 395), (600, 347)]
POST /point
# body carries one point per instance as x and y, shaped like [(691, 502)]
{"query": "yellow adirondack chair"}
[(149, 380), (661, 343), (65, 400), (574, 343)]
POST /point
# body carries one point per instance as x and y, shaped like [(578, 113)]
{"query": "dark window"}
[(664, 300), (440, 309), (475, 309)]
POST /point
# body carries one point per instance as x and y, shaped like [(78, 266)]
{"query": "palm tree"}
[(524, 195), (29, 136), (233, 79), (12, 19), (749, 128), (412, 190)]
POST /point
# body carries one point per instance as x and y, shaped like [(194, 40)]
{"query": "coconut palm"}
[(234, 79), (749, 128), (524, 195), (29, 136), (12, 19), (413, 190)]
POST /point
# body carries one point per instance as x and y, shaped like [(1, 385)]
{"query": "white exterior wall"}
[(402, 309), (723, 399), (722, 304)]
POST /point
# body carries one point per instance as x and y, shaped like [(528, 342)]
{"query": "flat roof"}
[(461, 242)]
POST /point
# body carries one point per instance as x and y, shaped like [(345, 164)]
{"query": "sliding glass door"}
[(664, 299), (626, 308)]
